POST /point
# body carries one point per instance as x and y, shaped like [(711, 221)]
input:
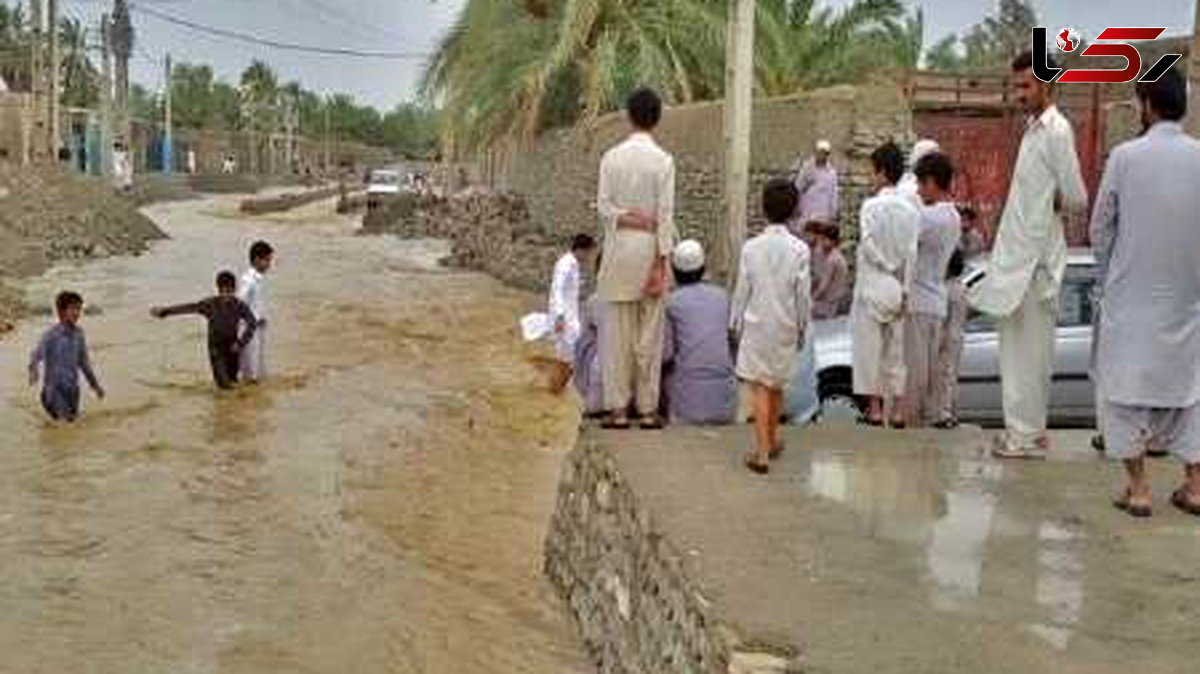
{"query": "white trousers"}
[(1026, 365), (253, 366), (878, 352), (922, 346)]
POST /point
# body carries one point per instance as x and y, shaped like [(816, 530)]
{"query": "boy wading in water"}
[(63, 350), (224, 312), (564, 308), (253, 292), (769, 317)]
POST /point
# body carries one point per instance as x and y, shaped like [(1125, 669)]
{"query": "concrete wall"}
[(628, 589), (558, 173), (14, 126)]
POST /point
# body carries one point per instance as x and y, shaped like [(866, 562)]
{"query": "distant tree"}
[(80, 79), (226, 107), (411, 130), (144, 105), (192, 95), (992, 43)]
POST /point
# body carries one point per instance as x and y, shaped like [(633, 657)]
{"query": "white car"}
[(1072, 397), (383, 184)]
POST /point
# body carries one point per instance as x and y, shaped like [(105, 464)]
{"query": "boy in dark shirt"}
[(64, 351), (224, 312)]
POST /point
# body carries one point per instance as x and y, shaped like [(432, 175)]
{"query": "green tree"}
[(14, 40), (192, 95), (144, 105), (991, 43), (226, 107), (80, 79), (411, 130)]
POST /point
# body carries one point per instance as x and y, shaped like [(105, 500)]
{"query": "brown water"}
[(378, 506)]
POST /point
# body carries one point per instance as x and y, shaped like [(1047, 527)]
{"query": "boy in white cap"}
[(564, 307), (908, 182), (817, 185), (699, 386), (770, 317)]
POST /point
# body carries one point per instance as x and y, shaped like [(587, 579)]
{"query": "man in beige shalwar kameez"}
[(636, 201)]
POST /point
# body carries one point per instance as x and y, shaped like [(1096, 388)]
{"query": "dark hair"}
[(645, 108), (888, 160), (1024, 61), (779, 200), (686, 278), (936, 166), (261, 249), (67, 299), (1166, 96), (832, 232), (582, 242), (226, 279), (967, 212)]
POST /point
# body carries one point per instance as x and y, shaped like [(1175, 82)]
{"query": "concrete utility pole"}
[(121, 40), (37, 86), (106, 97), (167, 158), (739, 93), (55, 82), (1193, 120)]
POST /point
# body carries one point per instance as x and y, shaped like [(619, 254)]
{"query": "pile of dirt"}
[(286, 202), (490, 232), (157, 188), (47, 215)]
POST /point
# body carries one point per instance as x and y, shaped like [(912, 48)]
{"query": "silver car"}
[(1072, 399)]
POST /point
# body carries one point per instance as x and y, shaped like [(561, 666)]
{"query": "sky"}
[(415, 26)]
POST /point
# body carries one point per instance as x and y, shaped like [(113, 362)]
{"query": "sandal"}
[(1181, 500), (756, 467), (615, 423), (897, 424), (651, 422), (1140, 511), (946, 424)]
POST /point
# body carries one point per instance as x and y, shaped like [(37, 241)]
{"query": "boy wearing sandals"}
[(1147, 245), (769, 317)]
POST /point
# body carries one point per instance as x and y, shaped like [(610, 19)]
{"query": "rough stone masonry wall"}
[(558, 174), (626, 586)]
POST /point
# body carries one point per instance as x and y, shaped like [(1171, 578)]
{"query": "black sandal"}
[(1184, 503), (614, 423), (777, 452), (1139, 511), (755, 467)]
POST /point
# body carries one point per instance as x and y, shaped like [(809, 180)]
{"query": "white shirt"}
[(939, 234), (887, 246), (1030, 234), (564, 291), (253, 291), (635, 174), (772, 297)]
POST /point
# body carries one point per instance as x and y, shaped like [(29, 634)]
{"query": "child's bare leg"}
[(763, 433), (776, 417), (875, 409)]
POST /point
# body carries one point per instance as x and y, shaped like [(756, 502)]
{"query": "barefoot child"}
[(63, 349), (253, 292), (224, 312), (770, 315), (564, 307)]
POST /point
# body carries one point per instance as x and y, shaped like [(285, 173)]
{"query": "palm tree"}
[(80, 80)]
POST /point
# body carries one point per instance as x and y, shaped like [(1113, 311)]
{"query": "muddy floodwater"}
[(378, 506)]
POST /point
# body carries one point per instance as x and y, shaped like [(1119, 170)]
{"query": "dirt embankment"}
[(47, 216), (490, 232)]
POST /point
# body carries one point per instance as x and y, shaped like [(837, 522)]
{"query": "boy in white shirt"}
[(252, 290), (564, 307)]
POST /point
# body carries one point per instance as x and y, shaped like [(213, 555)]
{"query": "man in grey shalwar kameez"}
[(698, 379), (1147, 240)]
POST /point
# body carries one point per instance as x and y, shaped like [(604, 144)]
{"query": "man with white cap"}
[(817, 184), (908, 182), (698, 380)]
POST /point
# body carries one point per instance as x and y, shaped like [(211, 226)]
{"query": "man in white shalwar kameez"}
[(887, 256), (908, 182), (1027, 264), (564, 308), (636, 201), (253, 291), (1147, 240), (769, 315)]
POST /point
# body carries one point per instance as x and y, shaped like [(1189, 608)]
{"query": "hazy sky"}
[(415, 25)]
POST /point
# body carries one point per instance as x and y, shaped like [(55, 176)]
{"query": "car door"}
[(1072, 395), (979, 371)]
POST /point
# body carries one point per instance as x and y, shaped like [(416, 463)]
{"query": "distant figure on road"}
[(1147, 242), (253, 291), (229, 165), (770, 317), (636, 201), (887, 257), (122, 168), (1027, 265), (225, 312), (191, 161), (698, 381), (64, 353), (928, 299), (817, 184), (564, 307)]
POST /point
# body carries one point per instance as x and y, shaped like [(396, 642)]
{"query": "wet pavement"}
[(379, 505), (875, 551)]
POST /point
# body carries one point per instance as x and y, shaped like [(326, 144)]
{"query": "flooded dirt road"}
[(378, 506)]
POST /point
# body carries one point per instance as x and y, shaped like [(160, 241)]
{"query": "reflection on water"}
[(377, 506), (944, 504)]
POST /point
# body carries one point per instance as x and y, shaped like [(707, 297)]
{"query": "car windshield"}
[(1074, 301), (385, 178)]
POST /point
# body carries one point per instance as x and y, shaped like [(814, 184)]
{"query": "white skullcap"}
[(824, 146), (923, 147), (688, 256)]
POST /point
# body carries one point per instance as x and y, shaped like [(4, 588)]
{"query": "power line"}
[(276, 44), (349, 20)]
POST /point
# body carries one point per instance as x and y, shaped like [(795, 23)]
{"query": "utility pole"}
[(327, 125), (37, 88), (121, 41), (739, 93), (167, 158), (1193, 121), (106, 97), (55, 81)]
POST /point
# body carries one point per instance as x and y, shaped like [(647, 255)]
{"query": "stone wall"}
[(628, 589), (558, 174)]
